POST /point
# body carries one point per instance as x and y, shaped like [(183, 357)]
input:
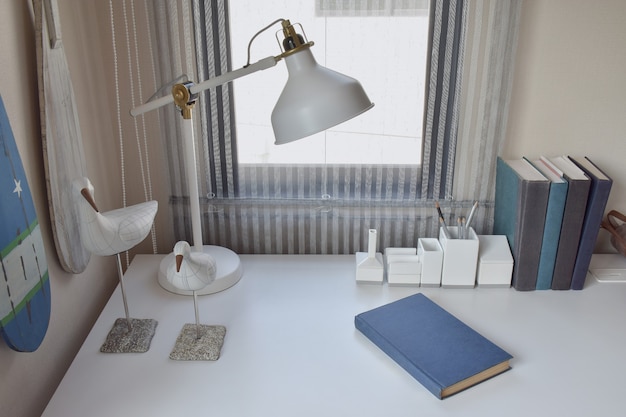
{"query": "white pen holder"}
[(460, 258)]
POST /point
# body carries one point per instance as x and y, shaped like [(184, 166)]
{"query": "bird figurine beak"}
[(87, 195), (179, 262)]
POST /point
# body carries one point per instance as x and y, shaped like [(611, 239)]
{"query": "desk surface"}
[(291, 349)]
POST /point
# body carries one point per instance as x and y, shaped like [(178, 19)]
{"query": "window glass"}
[(384, 47)]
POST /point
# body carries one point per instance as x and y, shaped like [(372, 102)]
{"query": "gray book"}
[(573, 218)]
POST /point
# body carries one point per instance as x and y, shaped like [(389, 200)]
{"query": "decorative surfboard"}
[(24, 286), (64, 159)]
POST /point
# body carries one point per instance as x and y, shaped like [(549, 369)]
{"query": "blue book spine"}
[(551, 233), (505, 213), (573, 217)]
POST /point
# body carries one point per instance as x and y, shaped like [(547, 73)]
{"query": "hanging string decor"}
[(136, 97)]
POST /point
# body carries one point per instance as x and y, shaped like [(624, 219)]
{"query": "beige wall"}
[(569, 97), (569, 92), (28, 380)]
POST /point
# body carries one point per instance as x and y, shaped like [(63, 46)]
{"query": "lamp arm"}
[(263, 64)]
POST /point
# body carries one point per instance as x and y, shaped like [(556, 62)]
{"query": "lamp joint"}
[(184, 99), (293, 41)]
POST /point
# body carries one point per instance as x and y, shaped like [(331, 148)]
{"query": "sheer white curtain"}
[(487, 81), (258, 210)]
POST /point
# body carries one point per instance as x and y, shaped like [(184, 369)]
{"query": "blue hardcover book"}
[(440, 351), (554, 219), (596, 204)]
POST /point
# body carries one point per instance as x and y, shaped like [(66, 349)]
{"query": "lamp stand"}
[(229, 268)]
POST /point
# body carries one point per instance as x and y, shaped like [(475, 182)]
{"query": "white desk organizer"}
[(608, 267), (369, 265), (495, 262), (460, 258), (431, 257), (403, 266)]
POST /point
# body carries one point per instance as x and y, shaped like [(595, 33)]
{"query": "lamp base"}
[(228, 273)]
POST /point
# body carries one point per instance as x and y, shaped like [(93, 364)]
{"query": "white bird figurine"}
[(111, 232), (192, 271)]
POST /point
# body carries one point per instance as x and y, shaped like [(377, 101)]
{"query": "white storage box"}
[(431, 257), (403, 270), (495, 262)]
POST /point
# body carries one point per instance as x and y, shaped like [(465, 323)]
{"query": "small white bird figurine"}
[(192, 271)]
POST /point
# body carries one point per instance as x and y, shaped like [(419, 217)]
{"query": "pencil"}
[(442, 220), (461, 228), (471, 215)]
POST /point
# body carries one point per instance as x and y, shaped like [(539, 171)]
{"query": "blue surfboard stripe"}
[(43, 285), (18, 240), (24, 280)]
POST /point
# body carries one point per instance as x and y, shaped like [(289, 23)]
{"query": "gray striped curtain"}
[(447, 40), (318, 209), (216, 113)]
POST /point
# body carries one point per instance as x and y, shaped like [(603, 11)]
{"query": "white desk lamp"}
[(314, 99)]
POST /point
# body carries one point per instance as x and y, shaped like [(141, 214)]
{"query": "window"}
[(382, 44)]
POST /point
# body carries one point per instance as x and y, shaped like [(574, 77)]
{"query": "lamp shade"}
[(315, 98)]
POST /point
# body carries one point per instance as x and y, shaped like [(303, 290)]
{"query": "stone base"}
[(136, 340), (189, 347)]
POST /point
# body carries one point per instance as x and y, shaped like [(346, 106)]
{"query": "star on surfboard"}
[(18, 188)]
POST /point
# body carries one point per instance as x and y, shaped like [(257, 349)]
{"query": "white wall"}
[(569, 92), (28, 380)]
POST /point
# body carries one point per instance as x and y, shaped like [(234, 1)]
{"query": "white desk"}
[(291, 349)]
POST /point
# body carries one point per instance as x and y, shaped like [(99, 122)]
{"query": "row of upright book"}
[(550, 210)]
